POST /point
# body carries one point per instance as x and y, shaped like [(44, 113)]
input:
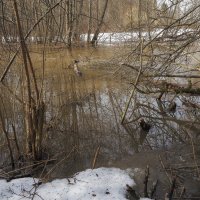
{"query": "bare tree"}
[(97, 31)]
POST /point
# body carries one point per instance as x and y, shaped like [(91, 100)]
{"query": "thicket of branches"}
[(65, 20)]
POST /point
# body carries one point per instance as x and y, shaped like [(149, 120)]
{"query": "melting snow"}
[(97, 184)]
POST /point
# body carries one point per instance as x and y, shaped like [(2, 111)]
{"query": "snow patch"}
[(98, 184)]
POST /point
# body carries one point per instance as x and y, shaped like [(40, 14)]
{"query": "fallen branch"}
[(160, 75), (19, 176)]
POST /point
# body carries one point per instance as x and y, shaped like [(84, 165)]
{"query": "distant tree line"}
[(70, 18)]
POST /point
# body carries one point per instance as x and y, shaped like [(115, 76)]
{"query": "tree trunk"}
[(90, 21), (94, 39), (78, 18)]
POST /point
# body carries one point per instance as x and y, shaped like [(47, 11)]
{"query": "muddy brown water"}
[(83, 114)]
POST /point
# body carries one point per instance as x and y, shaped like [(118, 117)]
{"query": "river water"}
[(85, 113), (83, 116)]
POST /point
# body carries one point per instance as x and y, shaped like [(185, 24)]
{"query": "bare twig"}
[(95, 157), (136, 82)]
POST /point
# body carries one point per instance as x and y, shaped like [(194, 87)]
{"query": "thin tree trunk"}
[(34, 109), (139, 18), (29, 121), (78, 17), (8, 141), (94, 39), (90, 21), (70, 22)]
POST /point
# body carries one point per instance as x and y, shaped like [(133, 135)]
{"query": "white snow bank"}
[(97, 184), (145, 199), (110, 38)]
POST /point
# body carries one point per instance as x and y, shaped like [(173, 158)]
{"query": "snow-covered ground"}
[(123, 37), (97, 184), (108, 38)]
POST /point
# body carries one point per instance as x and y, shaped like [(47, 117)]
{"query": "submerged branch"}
[(160, 75)]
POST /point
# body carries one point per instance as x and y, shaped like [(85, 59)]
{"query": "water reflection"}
[(86, 113)]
